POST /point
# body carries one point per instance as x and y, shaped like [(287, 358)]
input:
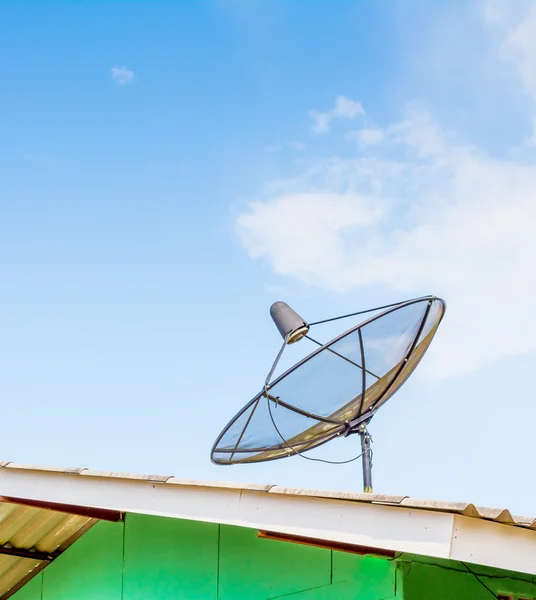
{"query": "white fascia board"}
[(397, 528), (494, 545), (378, 526), (365, 524)]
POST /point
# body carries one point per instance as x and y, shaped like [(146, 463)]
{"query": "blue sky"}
[(155, 159)]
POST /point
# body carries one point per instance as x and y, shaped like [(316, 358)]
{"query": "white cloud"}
[(519, 46), (495, 11), (122, 75), (273, 148), (297, 146), (271, 228), (344, 108), (43, 159), (427, 215), (368, 136), (520, 49), (420, 213)]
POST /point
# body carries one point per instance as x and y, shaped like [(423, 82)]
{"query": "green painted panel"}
[(449, 583), (32, 590), (335, 591), (458, 566), (157, 558), (370, 577), (169, 559), (255, 568), (90, 569)]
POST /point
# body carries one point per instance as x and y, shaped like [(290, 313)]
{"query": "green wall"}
[(150, 558), (452, 580)]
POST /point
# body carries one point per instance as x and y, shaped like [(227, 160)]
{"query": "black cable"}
[(480, 581), (329, 462)]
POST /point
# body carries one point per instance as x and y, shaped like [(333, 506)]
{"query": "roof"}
[(30, 538), (44, 509)]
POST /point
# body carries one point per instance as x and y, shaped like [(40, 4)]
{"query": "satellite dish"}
[(334, 391)]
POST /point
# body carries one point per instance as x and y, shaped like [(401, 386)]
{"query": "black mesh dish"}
[(321, 396)]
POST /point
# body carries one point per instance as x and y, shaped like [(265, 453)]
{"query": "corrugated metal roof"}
[(32, 537)]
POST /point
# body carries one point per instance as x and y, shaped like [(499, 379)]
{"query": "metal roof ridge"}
[(48, 468), (467, 509), (152, 478), (235, 485), (499, 515), (124, 475), (528, 522), (338, 495)]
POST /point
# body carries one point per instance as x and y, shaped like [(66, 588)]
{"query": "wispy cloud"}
[(420, 212), (344, 108), (122, 75), (367, 136), (43, 159), (297, 146), (273, 148), (519, 49)]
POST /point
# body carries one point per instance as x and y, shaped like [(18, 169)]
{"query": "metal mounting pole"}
[(366, 458)]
